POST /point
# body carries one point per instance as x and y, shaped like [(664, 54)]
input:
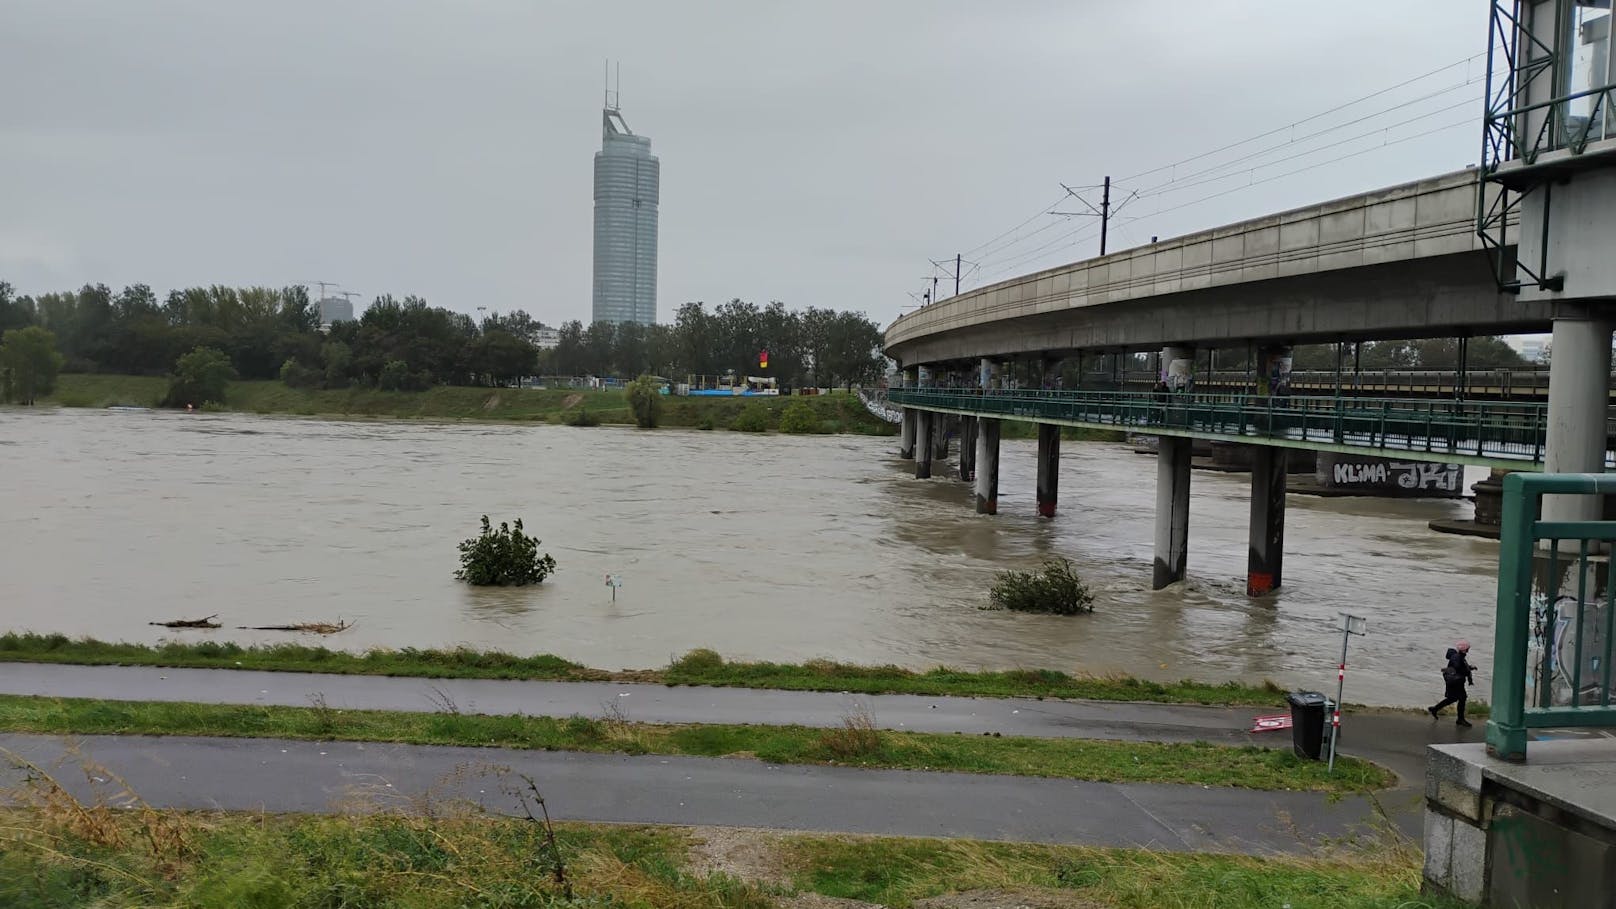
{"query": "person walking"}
[(1456, 675)]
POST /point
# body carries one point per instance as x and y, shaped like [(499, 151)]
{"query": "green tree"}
[(395, 376), (30, 362), (15, 311), (645, 399), (200, 377)]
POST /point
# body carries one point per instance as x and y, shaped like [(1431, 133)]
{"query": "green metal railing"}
[(1487, 431), (1552, 656)]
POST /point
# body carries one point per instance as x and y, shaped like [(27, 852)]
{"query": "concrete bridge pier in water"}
[(926, 439)]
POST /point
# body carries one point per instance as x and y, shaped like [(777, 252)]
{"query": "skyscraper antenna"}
[(612, 102)]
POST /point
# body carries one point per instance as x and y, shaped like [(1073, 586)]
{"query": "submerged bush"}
[(506, 557), (1054, 589)]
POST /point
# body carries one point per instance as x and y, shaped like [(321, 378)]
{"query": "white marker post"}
[(614, 582), (1350, 625)]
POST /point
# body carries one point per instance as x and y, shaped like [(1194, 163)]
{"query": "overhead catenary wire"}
[(1009, 265), (1162, 187), (1325, 113), (1207, 175), (1291, 173), (1006, 251), (1188, 182)]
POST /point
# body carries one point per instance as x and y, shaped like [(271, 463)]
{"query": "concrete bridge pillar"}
[(1579, 373), (906, 429), (1178, 369), (940, 425), (1048, 468), (1172, 510), (1274, 370), (1267, 555), (967, 464), (987, 466), (923, 446)]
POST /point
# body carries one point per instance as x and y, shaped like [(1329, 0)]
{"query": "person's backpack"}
[(1450, 674)]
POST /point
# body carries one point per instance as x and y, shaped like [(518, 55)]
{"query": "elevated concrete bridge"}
[(1398, 263), (1402, 262)]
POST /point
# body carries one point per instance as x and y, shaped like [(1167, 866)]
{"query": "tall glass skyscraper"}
[(627, 178)]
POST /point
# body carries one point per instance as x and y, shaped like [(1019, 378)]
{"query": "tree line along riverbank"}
[(838, 412)]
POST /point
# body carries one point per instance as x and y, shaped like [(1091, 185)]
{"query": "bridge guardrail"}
[(1552, 651), (1506, 431)]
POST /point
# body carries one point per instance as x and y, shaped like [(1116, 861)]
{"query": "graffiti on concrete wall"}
[(1407, 475)]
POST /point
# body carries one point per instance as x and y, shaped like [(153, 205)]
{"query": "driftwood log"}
[(311, 627), (207, 622)]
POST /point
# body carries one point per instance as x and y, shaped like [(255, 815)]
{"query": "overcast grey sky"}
[(816, 153)]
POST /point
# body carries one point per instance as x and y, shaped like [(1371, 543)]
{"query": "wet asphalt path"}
[(1395, 740), (289, 776)]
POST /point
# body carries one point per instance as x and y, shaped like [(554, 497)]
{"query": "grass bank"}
[(857, 743), (70, 855), (698, 667), (839, 412)]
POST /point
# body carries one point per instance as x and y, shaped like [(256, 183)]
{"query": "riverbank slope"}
[(839, 412)]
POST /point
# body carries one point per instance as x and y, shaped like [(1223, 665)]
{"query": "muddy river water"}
[(762, 547)]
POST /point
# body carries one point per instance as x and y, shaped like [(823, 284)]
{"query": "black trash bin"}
[(1307, 723)]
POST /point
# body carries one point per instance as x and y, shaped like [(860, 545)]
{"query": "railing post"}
[(1506, 728)]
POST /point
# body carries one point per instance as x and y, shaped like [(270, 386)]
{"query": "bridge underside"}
[(1438, 296)]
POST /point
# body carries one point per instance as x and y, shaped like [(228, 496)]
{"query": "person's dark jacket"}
[(1458, 673)]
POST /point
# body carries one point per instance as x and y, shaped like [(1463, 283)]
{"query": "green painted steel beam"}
[(1485, 434), (1567, 717)]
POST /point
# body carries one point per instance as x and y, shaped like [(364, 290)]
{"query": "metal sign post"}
[(1350, 625)]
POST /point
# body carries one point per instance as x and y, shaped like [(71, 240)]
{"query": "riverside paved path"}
[(293, 776), (1395, 740)]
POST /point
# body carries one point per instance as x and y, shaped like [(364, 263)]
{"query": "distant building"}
[(335, 309), (1533, 350), (627, 186), (546, 338)]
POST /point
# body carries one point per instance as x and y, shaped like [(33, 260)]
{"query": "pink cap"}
[(1462, 646)]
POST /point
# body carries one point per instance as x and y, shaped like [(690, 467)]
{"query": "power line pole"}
[(1105, 212), (956, 273)]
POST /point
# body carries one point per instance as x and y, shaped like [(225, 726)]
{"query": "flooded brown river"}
[(760, 547)]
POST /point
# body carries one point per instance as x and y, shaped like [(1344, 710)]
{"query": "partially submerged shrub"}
[(506, 557), (1054, 589)]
